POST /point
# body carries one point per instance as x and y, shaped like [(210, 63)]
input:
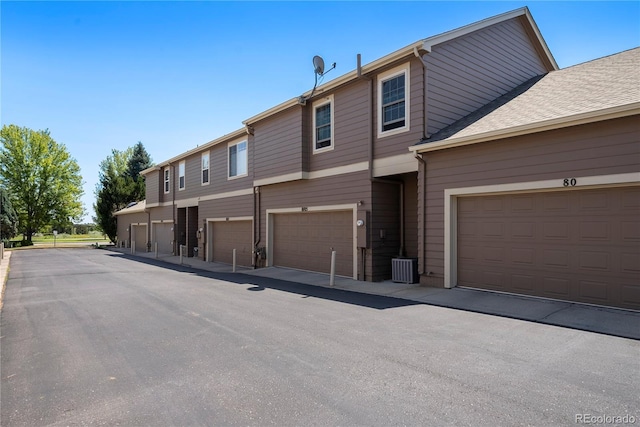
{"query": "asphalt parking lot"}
[(97, 337)]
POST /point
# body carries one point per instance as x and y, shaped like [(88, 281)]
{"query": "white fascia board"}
[(535, 127)]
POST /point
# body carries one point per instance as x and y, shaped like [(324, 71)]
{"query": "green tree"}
[(139, 161), (8, 217), (43, 180), (119, 184)]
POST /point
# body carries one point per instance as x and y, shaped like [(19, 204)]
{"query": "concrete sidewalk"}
[(603, 320), (4, 272)]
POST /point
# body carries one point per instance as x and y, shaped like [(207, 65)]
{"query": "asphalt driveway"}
[(90, 337)]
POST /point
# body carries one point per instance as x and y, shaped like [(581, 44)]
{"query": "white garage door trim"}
[(209, 248), (346, 207), (570, 183)]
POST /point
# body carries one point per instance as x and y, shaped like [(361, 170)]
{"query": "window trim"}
[(388, 75), (182, 180), (206, 154), (229, 145), (317, 104), (167, 180)]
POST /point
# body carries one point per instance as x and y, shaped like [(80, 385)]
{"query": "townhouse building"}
[(432, 153)]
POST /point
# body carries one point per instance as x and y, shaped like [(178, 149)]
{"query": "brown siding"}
[(468, 72), (278, 144), (351, 128), (219, 170), (411, 215), (161, 213), (227, 207), (385, 218), (125, 221), (603, 148), (397, 144), (152, 187), (334, 190)]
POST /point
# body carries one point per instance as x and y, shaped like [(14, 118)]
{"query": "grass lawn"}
[(91, 238)]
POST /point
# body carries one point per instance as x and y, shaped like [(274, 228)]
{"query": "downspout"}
[(425, 136), (424, 211), (256, 226), (148, 229), (373, 179), (172, 170), (256, 205), (425, 95)]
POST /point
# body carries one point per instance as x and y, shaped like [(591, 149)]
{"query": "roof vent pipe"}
[(359, 65)]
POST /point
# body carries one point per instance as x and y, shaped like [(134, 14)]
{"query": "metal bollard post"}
[(156, 249), (181, 253), (234, 260), (332, 277), (133, 247)]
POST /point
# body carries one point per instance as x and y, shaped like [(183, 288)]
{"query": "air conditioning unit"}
[(404, 270)]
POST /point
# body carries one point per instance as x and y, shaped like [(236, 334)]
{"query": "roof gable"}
[(590, 91)]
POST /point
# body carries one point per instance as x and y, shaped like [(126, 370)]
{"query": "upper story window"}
[(167, 179), (238, 159), (393, 101), (181, 181), (205, 168), (323, 125)]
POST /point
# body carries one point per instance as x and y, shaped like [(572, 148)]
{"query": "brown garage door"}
[(139, 236), (163, 236), (578, 245), (305, 241), (226, 236)]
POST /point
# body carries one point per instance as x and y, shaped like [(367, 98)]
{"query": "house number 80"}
[(569, 182)]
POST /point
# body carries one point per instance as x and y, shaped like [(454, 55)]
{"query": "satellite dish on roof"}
[(318, 65), (318, 69)]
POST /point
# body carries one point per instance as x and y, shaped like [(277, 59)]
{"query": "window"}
[(181, 176), (237, 159), (205, 168), (323, 125), (393, 101), (167, 182)]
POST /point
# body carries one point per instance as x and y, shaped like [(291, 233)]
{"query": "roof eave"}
[(425, 45), (228, 137), (529, 128)]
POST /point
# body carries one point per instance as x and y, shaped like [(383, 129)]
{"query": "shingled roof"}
[(597, 90)]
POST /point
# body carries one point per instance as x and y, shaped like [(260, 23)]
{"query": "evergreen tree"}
[(120, 184), (8, 217)]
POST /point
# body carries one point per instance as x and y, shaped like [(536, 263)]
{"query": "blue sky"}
[(174, 75)]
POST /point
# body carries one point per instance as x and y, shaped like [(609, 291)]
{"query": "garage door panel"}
[(581, 245), (140, 237), (229, 235), (305, 241), (163, 236)]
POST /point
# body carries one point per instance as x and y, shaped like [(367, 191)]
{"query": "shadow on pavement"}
[(377, 302)]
